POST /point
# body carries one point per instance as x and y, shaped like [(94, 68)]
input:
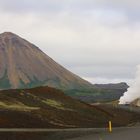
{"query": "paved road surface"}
[(117, 134), (51, 130), (124, 133)]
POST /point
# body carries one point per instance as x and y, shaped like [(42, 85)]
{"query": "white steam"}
[(134, 90)]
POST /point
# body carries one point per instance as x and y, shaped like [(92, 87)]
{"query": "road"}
[(50, 130), (124, 133), (117, 134)]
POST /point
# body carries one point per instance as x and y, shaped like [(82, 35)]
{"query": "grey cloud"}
[(63, 5), (92, 38), (81, 8), (109, 72), (27, 6)]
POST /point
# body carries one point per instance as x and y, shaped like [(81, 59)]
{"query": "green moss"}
[(4, 81), (55, 104), (16, 106), (33, 83)]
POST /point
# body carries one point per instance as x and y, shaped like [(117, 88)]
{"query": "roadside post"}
[(110, 126)]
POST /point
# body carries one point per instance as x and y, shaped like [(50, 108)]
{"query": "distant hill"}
[(99, 93), (112, 86)]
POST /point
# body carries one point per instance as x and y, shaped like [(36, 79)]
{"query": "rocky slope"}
[(45, 107)]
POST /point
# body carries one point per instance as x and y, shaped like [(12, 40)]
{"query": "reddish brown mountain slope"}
[(24, 65)]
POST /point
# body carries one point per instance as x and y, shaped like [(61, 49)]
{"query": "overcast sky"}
[(97, 39)]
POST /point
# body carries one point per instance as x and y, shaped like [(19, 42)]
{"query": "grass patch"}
[(17, 106), (55, 104)]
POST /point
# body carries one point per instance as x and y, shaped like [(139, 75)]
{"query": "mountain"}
[(45, 107), (23, 65)]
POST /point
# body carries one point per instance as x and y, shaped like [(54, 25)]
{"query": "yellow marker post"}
[(110, 126)]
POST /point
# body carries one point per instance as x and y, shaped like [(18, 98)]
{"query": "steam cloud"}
[(134, 90)]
